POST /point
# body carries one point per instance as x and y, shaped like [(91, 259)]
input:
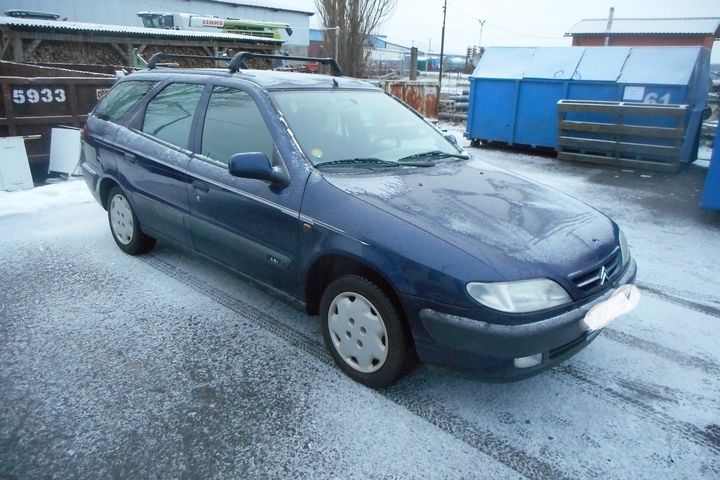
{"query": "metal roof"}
[(64, 27), (648, 26)]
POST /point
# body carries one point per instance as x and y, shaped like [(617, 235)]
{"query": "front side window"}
[(169, 114), (121, 98), (233, 124)]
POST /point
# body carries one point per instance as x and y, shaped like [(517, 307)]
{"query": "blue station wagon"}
[(340, 198)]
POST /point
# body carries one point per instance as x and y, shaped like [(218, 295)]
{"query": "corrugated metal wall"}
[(123, 12)]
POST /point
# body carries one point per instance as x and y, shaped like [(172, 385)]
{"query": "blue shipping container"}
[(514, 91), (711, 194)]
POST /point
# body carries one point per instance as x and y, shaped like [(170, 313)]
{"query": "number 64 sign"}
[(33, 95)]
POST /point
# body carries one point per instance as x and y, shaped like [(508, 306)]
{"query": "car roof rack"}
[(238, 61), (152, 63)]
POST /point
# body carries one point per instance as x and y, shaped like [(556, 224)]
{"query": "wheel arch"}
[(106, 184), (334, 265)]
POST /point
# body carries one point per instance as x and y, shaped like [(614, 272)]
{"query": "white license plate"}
[(622, 301)]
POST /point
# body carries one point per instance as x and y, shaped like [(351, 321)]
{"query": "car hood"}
[(491, 214)]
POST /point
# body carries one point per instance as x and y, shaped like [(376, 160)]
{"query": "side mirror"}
[(257, 166)]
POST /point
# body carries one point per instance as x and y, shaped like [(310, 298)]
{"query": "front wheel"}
[(364, 332), (124, 225)]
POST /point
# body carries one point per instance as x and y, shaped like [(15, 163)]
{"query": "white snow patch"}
[(40, 198), (704, 152), (381, 187)]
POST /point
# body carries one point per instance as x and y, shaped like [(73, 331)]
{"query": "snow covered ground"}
[(168, 366), (56, 194)]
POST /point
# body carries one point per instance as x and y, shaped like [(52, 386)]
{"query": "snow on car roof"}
[(269, 79)]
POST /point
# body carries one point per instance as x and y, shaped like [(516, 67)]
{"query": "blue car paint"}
[(489, 224)]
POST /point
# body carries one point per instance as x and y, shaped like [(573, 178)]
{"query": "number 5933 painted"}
[(33, 95)]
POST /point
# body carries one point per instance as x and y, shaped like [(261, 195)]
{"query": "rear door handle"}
[(129, 157), (202, 186)]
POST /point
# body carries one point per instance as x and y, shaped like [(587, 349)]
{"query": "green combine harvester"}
[(189, 21)]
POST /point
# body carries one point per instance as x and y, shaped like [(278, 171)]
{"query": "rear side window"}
[(121, 98), (233, 124), (169, 114)]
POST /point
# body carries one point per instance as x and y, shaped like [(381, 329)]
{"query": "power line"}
[(502, 29), (521, 34), (463, 12)]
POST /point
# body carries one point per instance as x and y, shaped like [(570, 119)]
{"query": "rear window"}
[(121, 99)]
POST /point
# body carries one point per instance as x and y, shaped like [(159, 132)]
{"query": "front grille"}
[(591, 279)]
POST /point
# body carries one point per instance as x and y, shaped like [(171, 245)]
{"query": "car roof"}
[(267, 79)]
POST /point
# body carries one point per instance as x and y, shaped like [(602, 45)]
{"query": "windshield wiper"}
[(433, 154), (358, 162)]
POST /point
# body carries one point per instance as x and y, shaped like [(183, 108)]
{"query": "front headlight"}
[(521, 296), (624, 249)]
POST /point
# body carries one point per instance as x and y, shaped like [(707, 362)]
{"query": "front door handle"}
[(202, 186), (129, 157)]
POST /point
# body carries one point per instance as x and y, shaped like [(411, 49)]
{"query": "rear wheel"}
[(364, 332), (124, 225)]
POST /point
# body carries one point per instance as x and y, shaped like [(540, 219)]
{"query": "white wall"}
[(123, 12)]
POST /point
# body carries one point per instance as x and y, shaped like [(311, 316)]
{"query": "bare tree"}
[(357, 19)]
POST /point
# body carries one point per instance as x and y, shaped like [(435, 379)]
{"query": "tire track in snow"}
[(681, 358), (483, 440), (499, 449), (706, 437), (683, 302), (645, 390), (434, 413)]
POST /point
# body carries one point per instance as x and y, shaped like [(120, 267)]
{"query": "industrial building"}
[(124, 13)]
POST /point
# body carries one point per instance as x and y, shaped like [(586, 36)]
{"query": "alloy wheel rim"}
[(121, 219), (358, 332)]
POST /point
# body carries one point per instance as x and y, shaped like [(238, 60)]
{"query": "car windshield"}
[(350, 127)]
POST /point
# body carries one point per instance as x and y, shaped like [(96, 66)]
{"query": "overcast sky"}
[(515, 22)]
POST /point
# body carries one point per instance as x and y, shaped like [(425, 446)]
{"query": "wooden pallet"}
[(619, 143)]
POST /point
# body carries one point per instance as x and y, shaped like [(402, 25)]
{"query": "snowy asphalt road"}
[(168, 366)]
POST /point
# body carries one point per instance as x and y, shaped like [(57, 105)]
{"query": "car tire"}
[(124, 225), (364, 332)]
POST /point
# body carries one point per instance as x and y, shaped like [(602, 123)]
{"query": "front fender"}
[(412, 260)]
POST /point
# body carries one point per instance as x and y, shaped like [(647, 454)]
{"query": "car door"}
[(99, 146), (248, 224), (155, 156)]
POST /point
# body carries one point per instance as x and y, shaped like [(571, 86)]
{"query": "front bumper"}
[(489, 349)]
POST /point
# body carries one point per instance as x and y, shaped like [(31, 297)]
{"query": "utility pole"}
[(478, 53), (337, 41), (413, 63), (482, 24), (442, 49)]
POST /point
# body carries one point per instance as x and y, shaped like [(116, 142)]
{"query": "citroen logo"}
[(603, 275)]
